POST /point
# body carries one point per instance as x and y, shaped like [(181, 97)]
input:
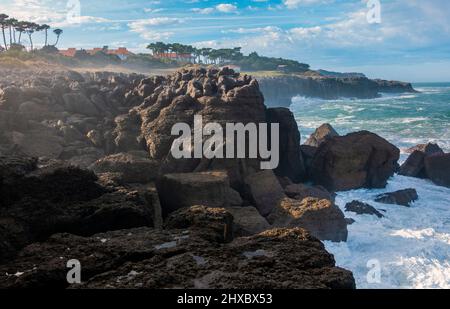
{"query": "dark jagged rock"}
[(437, 167), (151, 259), (362, 209), (321, 134), (414, 166), (291, 159), (402, 197), (357, 160), (60, 198)]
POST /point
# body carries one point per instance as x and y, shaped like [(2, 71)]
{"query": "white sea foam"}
[(411, 244)]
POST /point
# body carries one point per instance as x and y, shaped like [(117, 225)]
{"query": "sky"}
[(408, 40)]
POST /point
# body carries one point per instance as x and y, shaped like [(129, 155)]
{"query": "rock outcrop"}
[(402, 197), (152, 259), (321, 134), (437, 167), (279, 91), (414, 166), (361, 208), (357, 160), (36, 204)]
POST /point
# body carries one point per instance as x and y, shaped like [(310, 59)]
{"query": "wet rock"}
[(357, 160), (321, 217), (402, 197), (437, 167), (321, 134), (361, 208)]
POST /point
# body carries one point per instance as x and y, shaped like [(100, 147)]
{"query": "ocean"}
[(410, 247)]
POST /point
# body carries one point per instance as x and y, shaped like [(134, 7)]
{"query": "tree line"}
[(251, 62), (199, 55), (17, 27)]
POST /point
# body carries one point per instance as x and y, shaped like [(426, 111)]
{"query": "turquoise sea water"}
[(405, 120), (411, 246)]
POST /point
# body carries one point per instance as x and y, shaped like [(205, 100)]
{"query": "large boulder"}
[(321, 217), (211, 189), (357, 160), (265, 191), (133, 167), (152, 259), (414, 166), (437, 167), (321, 134), (291, 159)]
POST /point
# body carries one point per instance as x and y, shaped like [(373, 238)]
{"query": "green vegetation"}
[(252, 62)]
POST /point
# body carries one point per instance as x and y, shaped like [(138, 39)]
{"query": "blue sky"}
[(411, 43)]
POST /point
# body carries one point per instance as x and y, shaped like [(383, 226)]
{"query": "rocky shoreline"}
[(86, 173), (279, 91)]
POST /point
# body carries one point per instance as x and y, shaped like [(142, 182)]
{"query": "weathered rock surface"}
[(321, 134), (248, 221), (133, 167), (146, 258), (214, 224), (437, 167), (210, 189), (402, 197), (361, 208), (291, 159), (301, 191), (265, 191), (38, 203), (357, 160), (319, 216)]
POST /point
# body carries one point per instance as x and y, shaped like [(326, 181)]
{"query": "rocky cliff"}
[(279, 91)]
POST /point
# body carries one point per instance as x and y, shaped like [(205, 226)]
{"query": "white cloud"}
[(222, 8), (226, 8), (203, 11), (293, 4), (148, 28)]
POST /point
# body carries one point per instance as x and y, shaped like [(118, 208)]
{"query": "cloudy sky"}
[(412, 41)]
